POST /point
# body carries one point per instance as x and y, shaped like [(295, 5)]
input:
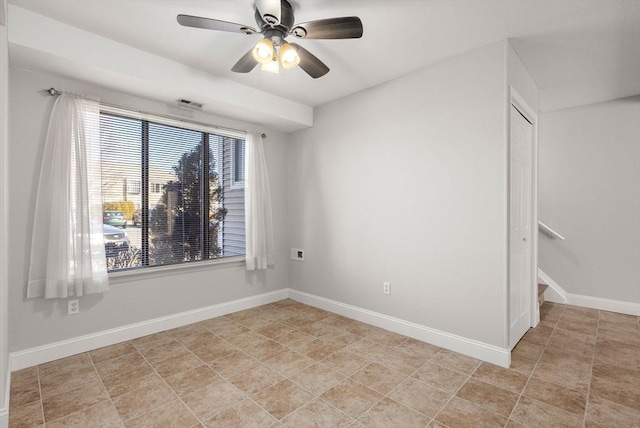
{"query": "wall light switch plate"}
[(297, 254)]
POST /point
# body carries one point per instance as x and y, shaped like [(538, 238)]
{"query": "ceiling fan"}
[(276, 21)]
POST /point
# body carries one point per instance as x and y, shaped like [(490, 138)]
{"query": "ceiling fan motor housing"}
[(269, 22), (275, 35)]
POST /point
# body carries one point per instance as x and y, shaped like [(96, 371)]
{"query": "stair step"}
[(542, 288)]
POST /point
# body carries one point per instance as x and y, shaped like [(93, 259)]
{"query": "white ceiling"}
[(577, 52)]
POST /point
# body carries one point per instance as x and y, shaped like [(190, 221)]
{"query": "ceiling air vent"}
[(189, 105)]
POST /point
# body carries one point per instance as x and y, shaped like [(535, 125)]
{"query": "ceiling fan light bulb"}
[(272, 66), (289, 56), (263, 52)]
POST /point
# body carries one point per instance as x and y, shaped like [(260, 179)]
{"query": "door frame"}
[(517, 101)]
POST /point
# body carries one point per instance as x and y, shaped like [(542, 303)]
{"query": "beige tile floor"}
[(290, 365)]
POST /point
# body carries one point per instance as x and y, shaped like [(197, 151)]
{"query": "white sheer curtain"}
[(257, 205), (67, 249)]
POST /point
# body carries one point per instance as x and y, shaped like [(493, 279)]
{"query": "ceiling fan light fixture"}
[(276, 21), (272, 66), (264, 51), (289, 56)]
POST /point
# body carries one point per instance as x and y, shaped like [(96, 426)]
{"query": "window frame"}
[(151, 271), (233, 183)]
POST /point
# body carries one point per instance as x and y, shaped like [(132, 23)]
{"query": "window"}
[(133, 186), (183, 178), (237, 164)]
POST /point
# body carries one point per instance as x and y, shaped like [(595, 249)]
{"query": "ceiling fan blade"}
[(348, 27), (246, 63), (310, 63), (214, 24), (270, 11)]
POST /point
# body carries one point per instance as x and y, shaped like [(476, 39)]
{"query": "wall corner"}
[(4, 318)]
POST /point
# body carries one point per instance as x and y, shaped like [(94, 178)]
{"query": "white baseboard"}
[(618, 306), (462, 345), (493, 354), (53, 351), (558, 295)]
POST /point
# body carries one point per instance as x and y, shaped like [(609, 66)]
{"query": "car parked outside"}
[(114, 218), (116, 240)]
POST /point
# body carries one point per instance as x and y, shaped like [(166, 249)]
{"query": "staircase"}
[(541, 289)]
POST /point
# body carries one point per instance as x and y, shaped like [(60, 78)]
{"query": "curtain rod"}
[(54, 92)]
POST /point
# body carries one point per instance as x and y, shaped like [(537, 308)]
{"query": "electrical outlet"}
[(386, 287), (297, 254), (73, 307)]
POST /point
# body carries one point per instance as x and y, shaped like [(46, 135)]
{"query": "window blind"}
[(178, 186)]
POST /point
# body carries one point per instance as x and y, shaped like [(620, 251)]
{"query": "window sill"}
[(118, 277)]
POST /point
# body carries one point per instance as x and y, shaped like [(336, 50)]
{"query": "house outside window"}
[(182, 180), (237, 164)]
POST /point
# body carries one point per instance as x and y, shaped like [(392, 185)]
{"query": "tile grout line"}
[(137, 351), (105, 389), (593, 359), (433, 418), (218, 373), (165, 382), (315, 396), (262, 362), (318, 396), (454, 393), (249, 397), (225, 378), (81, 386), (534, 367), (44, 421), (394, 388), (343, 348), (452, 397), (410, 376), (471, 377)]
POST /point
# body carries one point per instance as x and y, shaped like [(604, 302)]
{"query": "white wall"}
[(4, 327), (520, 79), (405, 182), (590, 192), (38, 322)]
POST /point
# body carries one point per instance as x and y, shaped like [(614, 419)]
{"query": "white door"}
[(521, 243)]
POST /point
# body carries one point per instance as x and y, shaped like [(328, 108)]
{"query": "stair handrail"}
[(549, 231)]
